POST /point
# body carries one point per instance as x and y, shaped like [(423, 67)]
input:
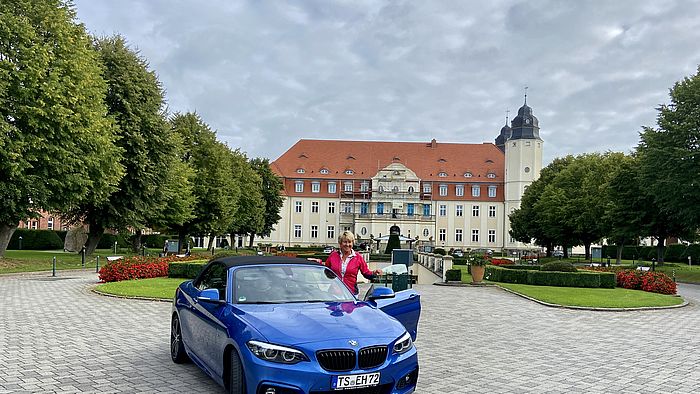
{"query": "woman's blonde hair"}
[(346, 235)]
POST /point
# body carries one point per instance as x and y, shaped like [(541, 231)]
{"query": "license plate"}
[(343, 382)]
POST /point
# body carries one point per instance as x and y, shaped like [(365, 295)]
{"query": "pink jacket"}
[(355, 265)]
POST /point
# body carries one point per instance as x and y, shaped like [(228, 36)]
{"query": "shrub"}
[(107, 241), (502, 262), (655, 282), (35, 240), (550, 278), (137, 267), (439, 251), (454, 275), (560, 266), (185, 269)]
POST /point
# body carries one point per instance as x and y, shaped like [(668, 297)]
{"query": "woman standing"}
[(346, 263)]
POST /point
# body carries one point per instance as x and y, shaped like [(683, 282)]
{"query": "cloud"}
[(265, 74)]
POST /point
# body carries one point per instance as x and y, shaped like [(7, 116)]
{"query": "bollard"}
[(53, 267), (115, 247), (82, 257), (97, 264)]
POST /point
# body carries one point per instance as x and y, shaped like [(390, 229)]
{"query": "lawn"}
[(597, 298), (41, 260), (162, 288)]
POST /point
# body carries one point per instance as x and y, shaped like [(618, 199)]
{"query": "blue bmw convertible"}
[(280, 325)]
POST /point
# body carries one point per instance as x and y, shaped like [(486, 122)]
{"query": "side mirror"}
[(380, 293), (210, 295)]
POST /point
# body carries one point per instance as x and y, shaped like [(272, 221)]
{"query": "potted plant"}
[(477, 265)]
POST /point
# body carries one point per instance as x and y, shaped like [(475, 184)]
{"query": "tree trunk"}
[(660, 249), (6, 232), (136, 242), (565, 249), (94, 236), (250, 241), (210, 246), (587, 247), (619, 254), (180, 242)]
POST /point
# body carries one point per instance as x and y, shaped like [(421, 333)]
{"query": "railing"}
[(388, 216), (437, 263)]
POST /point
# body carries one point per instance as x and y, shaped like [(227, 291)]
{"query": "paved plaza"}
[(58, 336)]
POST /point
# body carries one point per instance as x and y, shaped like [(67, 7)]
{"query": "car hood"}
[(298, 323)]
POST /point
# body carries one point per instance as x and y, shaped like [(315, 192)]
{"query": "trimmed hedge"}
[(36, 239), (551, 278), (672, 253), (559, 266), (453, 275), (521, 267), (185, 269)]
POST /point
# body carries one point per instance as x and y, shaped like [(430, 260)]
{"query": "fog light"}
[(270, 390)]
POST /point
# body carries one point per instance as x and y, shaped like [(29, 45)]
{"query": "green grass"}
[(683, 272), (162, 288), (41, 260), (596, 298)]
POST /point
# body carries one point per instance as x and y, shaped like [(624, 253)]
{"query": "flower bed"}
[(654, 282), (502, 262), (138, 267)]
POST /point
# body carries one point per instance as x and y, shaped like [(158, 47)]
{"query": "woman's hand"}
[(378, 271), (314, 259)]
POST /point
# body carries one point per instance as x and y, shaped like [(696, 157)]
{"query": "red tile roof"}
[(365, 158)]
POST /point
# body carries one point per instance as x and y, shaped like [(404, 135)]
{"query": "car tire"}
[(236, 382), (177, 347)]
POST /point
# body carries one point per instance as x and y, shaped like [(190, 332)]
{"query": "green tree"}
[(670, 155), (136, 100), (250, 217), (56, 144), (271, 187), (215, 190)]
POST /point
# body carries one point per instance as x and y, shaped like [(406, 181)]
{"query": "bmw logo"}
[(353, 342)]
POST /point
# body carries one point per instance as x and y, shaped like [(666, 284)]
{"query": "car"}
[(558, 253), (273, 324), (328, 249), (458, 253)]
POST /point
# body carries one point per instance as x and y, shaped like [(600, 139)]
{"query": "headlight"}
[(276, 353), (403, 344)]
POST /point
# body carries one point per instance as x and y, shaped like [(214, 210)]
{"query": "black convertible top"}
[(236, 261)]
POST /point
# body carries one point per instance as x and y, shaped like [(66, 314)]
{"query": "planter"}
[(477, 273)]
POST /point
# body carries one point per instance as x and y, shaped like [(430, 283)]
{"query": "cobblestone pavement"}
[(57, 336)]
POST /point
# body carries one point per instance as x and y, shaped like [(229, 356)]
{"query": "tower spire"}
[(525, 95), (507, 115)]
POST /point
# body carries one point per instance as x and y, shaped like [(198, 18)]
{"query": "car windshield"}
[(275, 284)]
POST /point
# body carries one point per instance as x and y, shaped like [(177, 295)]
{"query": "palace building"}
[(450, 195)]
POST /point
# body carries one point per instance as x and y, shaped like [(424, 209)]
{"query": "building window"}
[(35, 224), (49, 223), (331, 232), (411, 190), (468, 174), (347, 186), (475, 235), (300, 171), (299, 186), (363, 231), (364, 208), (297, 231), (492, 191), (297, 206), (315, 187), (380, 189), (314, 206), (364, 186), (427, 188), (324, 171), (331, 187), (314, 231), (347, 207), (395, 189), (442, 175), (459, 190), (458, 235), (475, 210), (331, 207), (442, 235), (490, 175), (476, 191), (347, 228), (492, 211), (459, 210), (410, 209), (443, 210), (426, 209), (426, 232), (380, 208), (349, 172), (443, 190), (492, 236)]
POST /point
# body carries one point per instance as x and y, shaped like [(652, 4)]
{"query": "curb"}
[(587, 308), (457, 284), (94, 290)]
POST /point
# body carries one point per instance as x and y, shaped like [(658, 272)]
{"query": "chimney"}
[(433, 143)]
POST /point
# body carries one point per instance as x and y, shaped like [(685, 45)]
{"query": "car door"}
[(404, 307), (211, 331)]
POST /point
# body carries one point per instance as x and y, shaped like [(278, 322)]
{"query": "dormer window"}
[(489, 161), (442, 161), (350, 157), (490, 175), (468, 174), (349, 172), (442, 174), (324, 171), (396, 158), (300, 171), (303, 156)]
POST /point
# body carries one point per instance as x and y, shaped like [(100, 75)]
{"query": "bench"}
[(114, 258), (643, 268)]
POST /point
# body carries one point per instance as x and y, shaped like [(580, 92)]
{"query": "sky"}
[(264, 74)]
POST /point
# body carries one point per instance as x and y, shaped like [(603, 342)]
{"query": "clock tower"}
[(523, 156)]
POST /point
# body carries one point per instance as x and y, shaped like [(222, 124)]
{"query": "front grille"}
[(371, 357), (381, 389), (336, 360)]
